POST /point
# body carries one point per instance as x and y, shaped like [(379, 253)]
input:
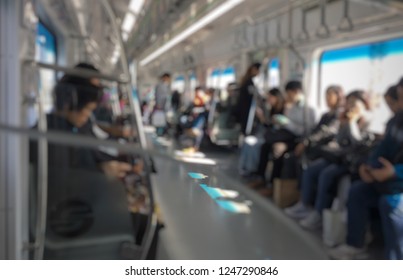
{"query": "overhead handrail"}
[(346, 24), (279, 38), (323, 31), (266, 33), (304, 36), (81, 72)]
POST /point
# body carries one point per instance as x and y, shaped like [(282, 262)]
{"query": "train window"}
[(46, 53), (273, 73), (376, 65), (179, 84), (227, 76), (220, 78), (215, 78)]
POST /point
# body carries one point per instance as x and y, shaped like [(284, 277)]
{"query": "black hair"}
[(361, 96), (400, 83), (199, 88), (248, 74), (166, 75), (339, 92), (392, 93), (294, 86), (256, 65), (279, 106), (74, 92), (276, 92)]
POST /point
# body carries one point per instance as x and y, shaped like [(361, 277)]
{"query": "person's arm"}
[(295, 122), (324, 133), (387, 172), (116, 131)]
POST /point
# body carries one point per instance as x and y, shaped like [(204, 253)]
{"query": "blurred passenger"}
[(381, 186), (250, 151), (320, 180), (287, 128), (199, 119), (392, 99), (176, 101), (162, 93), (327, 128), (247, 91), (75, 100)]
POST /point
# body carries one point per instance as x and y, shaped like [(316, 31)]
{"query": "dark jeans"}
[(277, 136), (391, 211), (362, 198), (319, 183)]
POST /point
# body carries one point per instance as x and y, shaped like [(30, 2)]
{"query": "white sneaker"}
[(313, 221), (347, 252), (298, 211)]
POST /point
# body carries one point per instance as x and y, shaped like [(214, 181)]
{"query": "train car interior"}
[(201, 129)]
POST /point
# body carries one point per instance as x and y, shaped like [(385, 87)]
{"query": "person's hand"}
[(299, 149), (116, 169), (385, 173), (139, 167), (126, 132), (353, 114), (365, 174)]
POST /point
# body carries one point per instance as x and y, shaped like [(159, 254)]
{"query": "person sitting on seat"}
[(250, 151), (319, 180), (199, 119), (286, 129), (75, 100), (380, 186), (327, 128)]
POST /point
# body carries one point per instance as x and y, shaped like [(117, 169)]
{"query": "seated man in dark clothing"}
[(380, 187), (75, 100), (295, 123)]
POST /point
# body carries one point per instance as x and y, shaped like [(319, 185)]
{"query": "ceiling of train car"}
[(147, 24), (87, 23), (249, 14)]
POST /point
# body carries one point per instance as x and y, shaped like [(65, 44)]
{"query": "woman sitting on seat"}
[(199, 118), (380, 186), (319, 181), (248, 162), (286, 129), (327, 128)]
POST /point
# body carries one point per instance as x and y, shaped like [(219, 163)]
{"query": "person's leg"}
[(263, 159), (266, 149), (362, 197), (309, 180), (326, 191), (391, 211), (327, 186), (302, 209)]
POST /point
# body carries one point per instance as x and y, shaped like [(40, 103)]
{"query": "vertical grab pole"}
[(135, 107), (42, 204)]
